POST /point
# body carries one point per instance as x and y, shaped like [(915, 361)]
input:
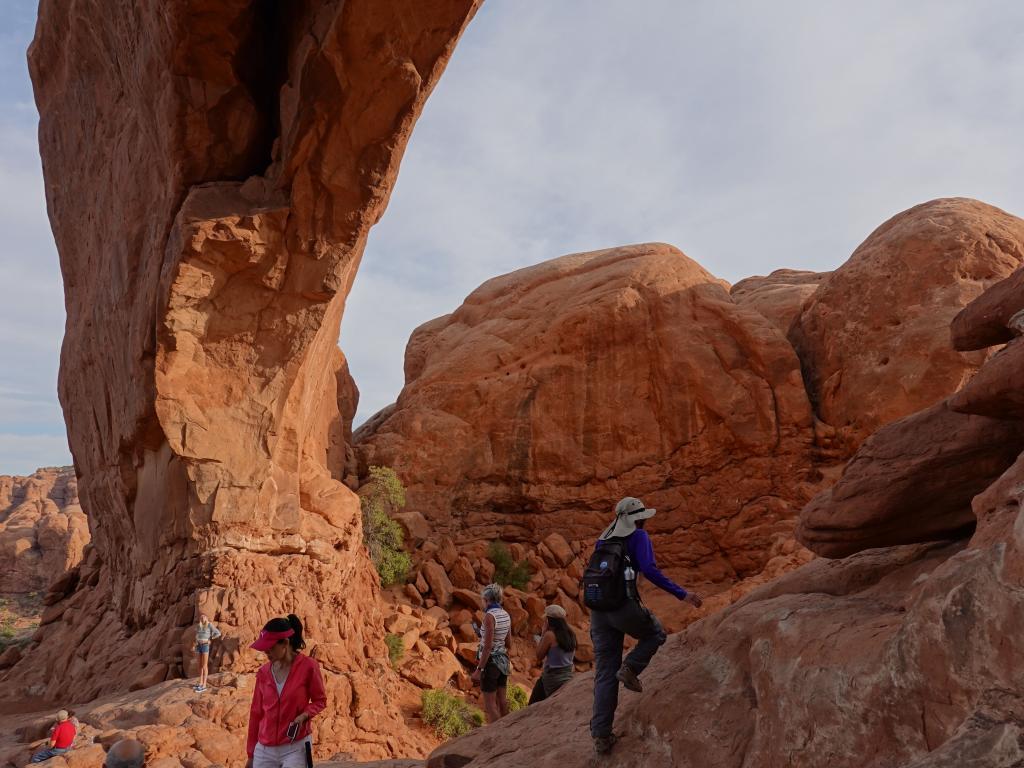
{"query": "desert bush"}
[(517, 698), (382, 496), (396, 648), (507, 572), (449, 715)]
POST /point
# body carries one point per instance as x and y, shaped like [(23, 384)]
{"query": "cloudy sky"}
[(752, 135)]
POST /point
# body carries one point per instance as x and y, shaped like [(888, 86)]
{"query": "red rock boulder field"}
[(554, 390), (896, 657), (212, 171), (874, 337), (43, 530)]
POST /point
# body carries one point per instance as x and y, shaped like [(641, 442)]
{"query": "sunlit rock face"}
[(557, 389), (212, 170), (43, 530), (874, 338)]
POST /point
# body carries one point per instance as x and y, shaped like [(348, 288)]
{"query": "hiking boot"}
[(603, 744), (628, 678)]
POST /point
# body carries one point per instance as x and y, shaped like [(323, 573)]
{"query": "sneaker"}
[(628, 678), (603, 744), (200, 688)]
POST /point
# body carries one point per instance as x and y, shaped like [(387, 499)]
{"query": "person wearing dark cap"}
[(289, 691), (610, 583)]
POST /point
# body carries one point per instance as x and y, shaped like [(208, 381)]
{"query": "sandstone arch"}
[(212, 170)]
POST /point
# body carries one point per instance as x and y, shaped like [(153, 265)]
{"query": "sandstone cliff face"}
[(874, 338), (210, 200), (555, 390), (898, 657), (43, 530)]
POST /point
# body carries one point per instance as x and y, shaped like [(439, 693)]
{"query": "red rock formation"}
[(911, 481), (557, 389), (900, 657), (780, 296), (43, 530), (210, 200), (874, 338)]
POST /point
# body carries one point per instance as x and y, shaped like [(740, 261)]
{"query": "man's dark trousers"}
[(607, 631)]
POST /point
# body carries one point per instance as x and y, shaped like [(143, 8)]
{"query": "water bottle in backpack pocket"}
[(603, 584)]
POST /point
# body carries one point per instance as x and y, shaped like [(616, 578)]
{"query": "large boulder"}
[(557, 389), (911, 481), (874, 337), (43, 530)]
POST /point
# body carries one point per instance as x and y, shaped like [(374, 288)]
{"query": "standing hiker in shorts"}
[(206, 633), (610, 591), (493, 666)]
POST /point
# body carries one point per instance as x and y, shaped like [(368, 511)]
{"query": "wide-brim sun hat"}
[(268, 640), (627, 512)]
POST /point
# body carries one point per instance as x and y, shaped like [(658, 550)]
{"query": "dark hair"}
[(283, 625), (564, 635)]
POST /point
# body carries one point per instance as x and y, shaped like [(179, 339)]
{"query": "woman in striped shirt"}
[(493, 666), (206, 633)]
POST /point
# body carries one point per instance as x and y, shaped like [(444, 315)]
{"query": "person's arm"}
[(255, 715), (642, 553), (317, 693), (214, 632), (546, 641)]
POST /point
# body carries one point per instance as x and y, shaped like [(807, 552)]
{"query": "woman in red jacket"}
[(289, 691)]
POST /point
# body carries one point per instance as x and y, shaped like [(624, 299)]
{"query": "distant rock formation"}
[(874, 338), (43, 530), (780, 296)]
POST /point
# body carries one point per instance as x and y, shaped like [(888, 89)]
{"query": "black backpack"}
[(604, 583)]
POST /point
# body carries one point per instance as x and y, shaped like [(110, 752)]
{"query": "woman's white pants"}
[(284, 756)]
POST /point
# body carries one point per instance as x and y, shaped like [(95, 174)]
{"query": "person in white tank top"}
[(493, 666)]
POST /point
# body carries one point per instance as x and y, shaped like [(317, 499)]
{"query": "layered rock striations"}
[(897, 657), (874, 338), (210, 201), (43, 530), (555, 390)]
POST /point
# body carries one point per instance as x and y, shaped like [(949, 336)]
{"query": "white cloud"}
[(752, 135)]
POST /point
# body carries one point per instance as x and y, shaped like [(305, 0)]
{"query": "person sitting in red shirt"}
[(62, 736)]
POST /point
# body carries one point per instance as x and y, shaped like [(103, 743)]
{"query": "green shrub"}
[(449, 715), (396, 648), (517, 698), (507, 572), (382, 496)]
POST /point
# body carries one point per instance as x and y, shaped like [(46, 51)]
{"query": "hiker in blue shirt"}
[(609, 628)]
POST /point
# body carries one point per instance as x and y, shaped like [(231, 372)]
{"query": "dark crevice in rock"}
[(261, 64)]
